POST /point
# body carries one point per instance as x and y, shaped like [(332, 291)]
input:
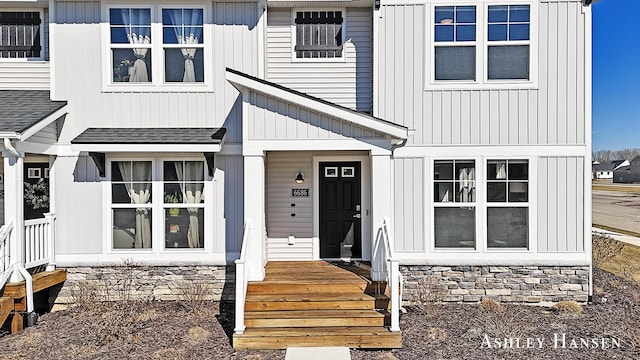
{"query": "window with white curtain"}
[(507, 203), (178, 207), (184, 204), (455, 203), (183, 46), (131, 205), (157, 45)]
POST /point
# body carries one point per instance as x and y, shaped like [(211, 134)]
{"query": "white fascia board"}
[(9, 134), (146, 148), (44, 122), (375, 146), (395, 131)]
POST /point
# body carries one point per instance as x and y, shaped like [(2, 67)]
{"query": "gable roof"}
[(603, 167), (24, 112), (241, 80)]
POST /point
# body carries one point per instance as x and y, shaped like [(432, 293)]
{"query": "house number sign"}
[(300, 192)]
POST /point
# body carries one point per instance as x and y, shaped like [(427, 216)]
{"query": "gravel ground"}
[(453, 331)]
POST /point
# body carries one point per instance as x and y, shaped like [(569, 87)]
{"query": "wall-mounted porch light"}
[(299, 177)]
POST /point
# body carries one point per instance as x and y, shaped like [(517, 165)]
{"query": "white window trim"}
[(481, 204), (157, 204), (342, 59), (157, 49), (482, 44), (42, 35)]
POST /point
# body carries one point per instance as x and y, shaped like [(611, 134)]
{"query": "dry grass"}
[(436, 334), (490, 305), (568, 307), (617, 188), (502, 323), (605, 248), (626, 264), (386, 356)]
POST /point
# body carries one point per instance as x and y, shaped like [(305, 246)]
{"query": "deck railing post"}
[(51, 240)]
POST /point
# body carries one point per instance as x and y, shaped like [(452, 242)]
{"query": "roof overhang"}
[(100, 141), (243, 81), (27, 133), (118, 140)]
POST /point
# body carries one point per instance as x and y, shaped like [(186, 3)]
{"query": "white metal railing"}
[(385, 266), (39, 238), (5, 252), (242, 279)]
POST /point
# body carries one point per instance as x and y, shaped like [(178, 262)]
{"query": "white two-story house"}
[(430, 140)]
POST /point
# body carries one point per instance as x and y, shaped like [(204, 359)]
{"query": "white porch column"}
[(380, 190), (14, 207), (254, 209)]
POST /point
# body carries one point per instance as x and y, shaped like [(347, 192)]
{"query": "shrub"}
[(605, 248), (196, 294), (490, 305), (568, 307), (428, 292)]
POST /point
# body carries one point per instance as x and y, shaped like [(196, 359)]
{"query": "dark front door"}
[(340, 210)]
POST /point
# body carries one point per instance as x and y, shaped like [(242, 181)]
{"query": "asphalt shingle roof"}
[(151, 136), (21, 109)]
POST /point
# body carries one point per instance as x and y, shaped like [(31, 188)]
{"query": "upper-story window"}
[(20, 35), (482, 43), (157, 45), (509, 39), (130, 31), (318, 34), (455, 42)]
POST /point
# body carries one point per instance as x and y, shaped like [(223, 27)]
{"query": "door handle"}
[(357, 216)]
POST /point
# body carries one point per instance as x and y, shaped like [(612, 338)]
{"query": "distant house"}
[(629, 173), (602, 171)]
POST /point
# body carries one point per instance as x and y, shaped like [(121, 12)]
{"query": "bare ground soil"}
[(173, 330)]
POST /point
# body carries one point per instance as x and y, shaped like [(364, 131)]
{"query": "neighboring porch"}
[(315, 303), (29, 133)]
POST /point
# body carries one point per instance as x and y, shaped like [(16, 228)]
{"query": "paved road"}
[(617, 209)]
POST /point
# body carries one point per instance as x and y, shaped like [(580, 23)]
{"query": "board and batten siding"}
[(551, 113), (79, 51), (228, 203), (79, 206), (270, 118), (347, 82), (560, 204), (410, 212)]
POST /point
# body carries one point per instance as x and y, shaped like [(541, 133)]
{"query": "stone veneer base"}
[(163, 283), (522, 284)]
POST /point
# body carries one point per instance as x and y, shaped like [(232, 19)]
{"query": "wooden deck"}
[(313, 303), (13, 298)]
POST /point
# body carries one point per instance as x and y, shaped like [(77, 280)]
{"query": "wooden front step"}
[(6, 307), (41, 281), (315, 303), (353, 337), (314, 318), (305, 287), (327, 301)]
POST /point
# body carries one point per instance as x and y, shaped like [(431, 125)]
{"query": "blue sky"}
[(616, 74)]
